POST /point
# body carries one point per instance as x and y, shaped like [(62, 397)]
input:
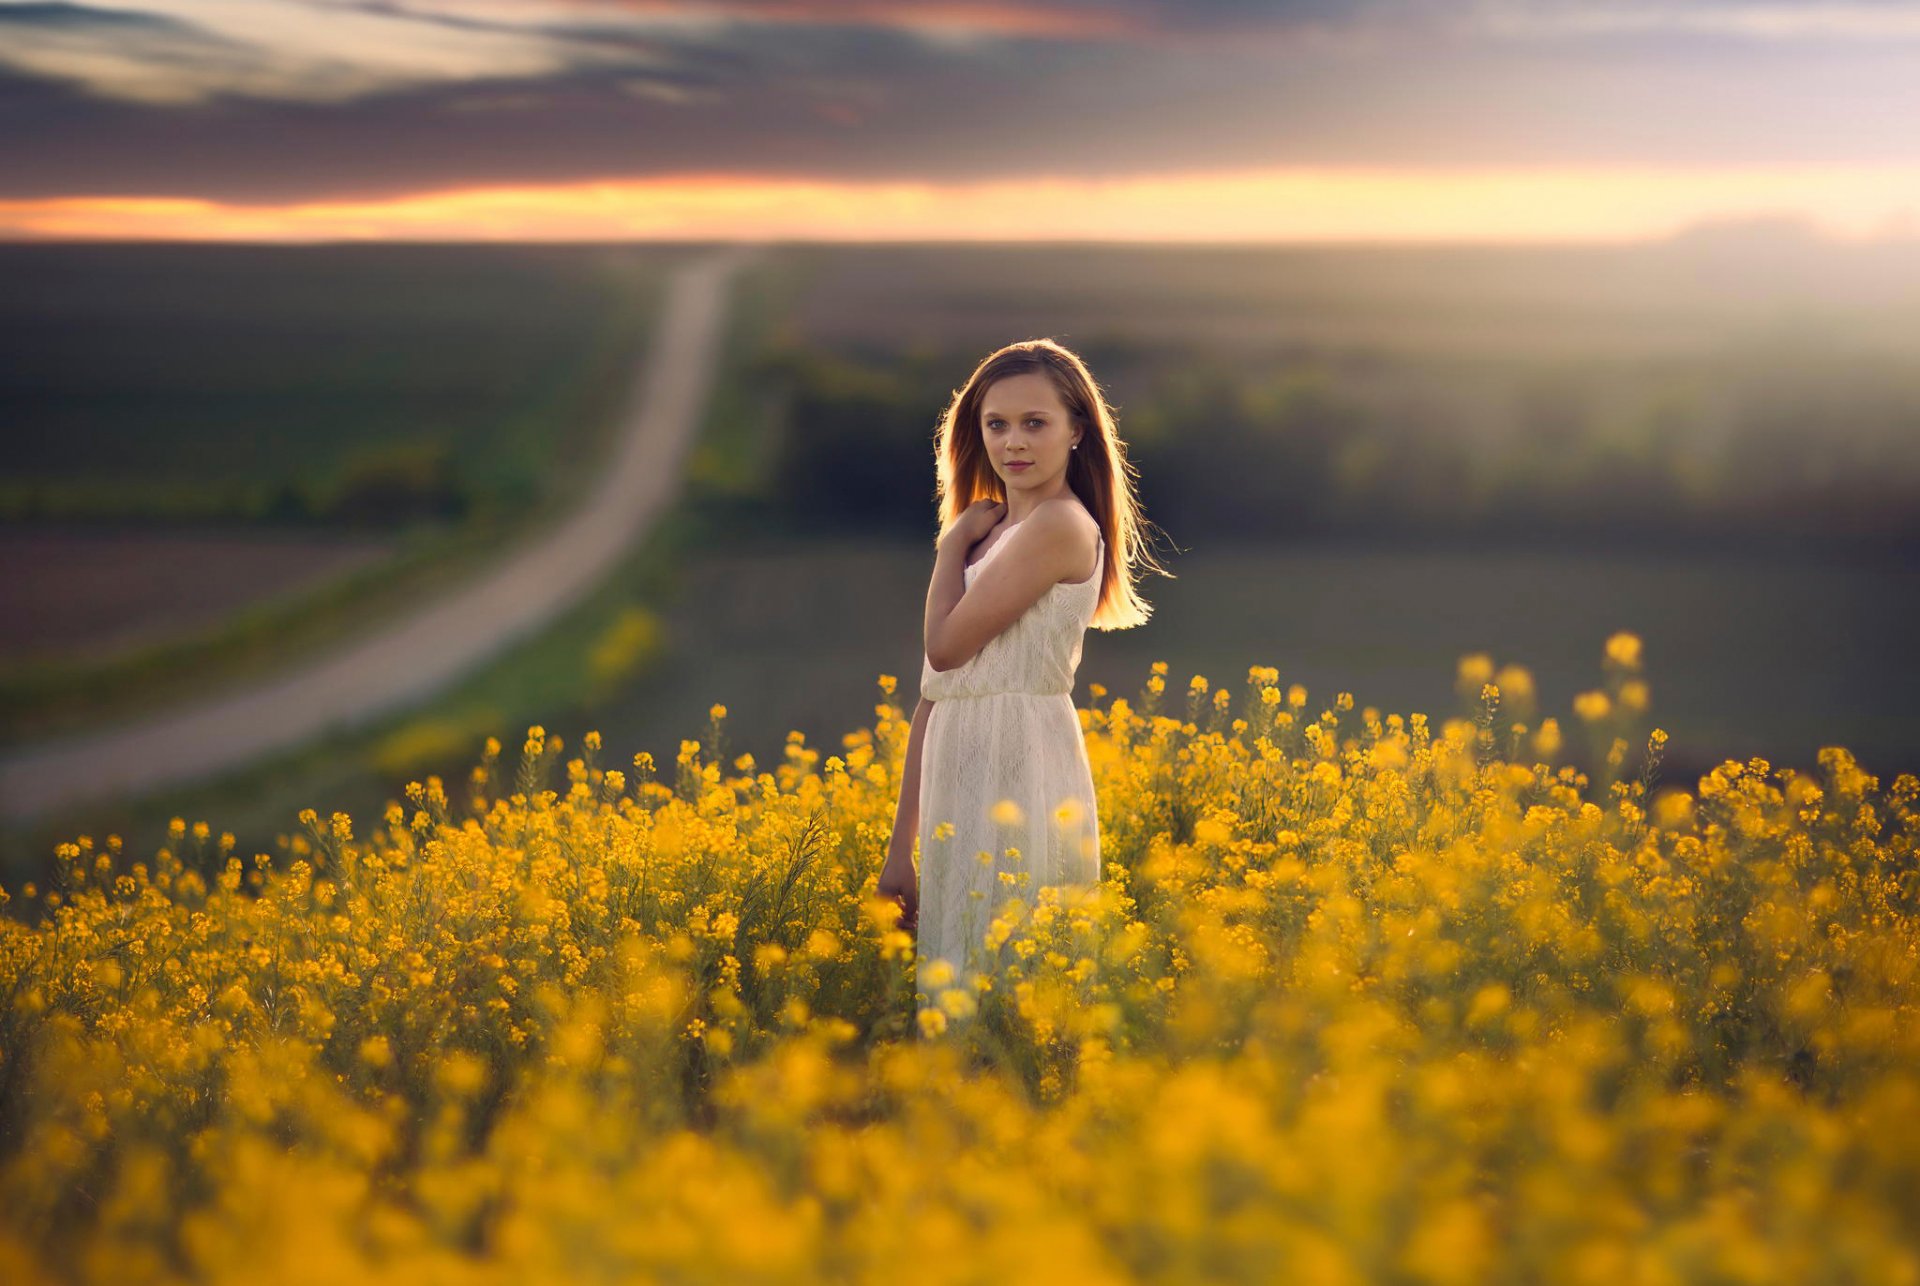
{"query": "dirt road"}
[(405, 661)]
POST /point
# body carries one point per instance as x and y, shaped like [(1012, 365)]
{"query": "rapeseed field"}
[(1359, 999)]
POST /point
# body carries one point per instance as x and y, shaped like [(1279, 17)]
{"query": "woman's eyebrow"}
[(1036, 412)]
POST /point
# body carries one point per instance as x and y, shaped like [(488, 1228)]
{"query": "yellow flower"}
[(1488, 1003), (375, 1052), (1210, 830), (1475, 669), (1389, 754), (1008, 813), (1672, 809), (1623, 650), (1592, 706), (932, 1022), (460, 1072), (1515, 683), (958, 1002)]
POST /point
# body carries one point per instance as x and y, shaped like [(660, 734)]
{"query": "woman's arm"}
[(945, 588), (897, 878)]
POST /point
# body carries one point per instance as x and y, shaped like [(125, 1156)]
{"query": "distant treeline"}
[(383, 486), (1309, 444)]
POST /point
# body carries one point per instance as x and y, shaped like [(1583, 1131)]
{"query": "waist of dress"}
[(1005, 692)]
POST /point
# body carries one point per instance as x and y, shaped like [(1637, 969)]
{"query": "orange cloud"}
[(1266, 205)]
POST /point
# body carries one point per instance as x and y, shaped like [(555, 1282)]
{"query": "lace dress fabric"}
[(1003, 763)]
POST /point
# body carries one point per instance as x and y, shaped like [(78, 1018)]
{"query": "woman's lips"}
[(1019, 464)]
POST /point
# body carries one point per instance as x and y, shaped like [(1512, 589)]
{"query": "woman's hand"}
[(897, 881), (973, 524)]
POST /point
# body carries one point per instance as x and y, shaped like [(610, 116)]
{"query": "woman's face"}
[(1022, 420)]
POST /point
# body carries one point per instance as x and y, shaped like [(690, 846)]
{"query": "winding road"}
[(404, 661)]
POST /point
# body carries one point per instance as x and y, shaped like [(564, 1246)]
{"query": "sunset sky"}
[(955, 119)]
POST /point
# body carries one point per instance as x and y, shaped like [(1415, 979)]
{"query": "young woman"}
[(1039, 521)]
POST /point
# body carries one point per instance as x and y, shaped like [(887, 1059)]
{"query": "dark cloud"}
[(845, 99), (73, 17)]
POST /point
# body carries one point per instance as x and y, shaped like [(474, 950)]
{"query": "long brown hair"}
[(1099, 472)]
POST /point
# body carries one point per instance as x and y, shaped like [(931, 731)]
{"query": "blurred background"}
[(1435, 331)]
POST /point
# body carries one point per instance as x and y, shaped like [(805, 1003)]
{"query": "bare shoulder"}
[(1066, 516), (1069, 531)]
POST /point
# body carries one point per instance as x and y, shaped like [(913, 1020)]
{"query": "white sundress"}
[(1004, 728)]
